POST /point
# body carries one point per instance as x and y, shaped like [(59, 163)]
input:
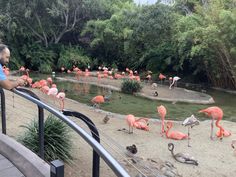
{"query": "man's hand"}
[(20, 82)]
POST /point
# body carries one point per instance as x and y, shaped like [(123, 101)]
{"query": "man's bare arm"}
[(7, 84)]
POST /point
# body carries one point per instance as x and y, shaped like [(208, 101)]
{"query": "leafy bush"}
[(70, 56), (130, 86), (56, 139)]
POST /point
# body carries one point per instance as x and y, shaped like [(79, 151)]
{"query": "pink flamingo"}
[(131, 121), (61, 96), (161, 77), (78, 74), (36, 84), (105, 73), (43, 82), (22, 68), (137, 78), (54, 86), (118, 76), (45, 89), (49, 80), (162, 112), (53, 92), (142, 124), (99, 76), (97, 100), (216, 113), (87, 73), (75, 69), (174, 134)]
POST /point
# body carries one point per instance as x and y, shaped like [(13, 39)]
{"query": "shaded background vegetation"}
[(194, 39)]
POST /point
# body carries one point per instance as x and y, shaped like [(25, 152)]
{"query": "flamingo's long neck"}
[(219, 126), (172, 83), (162, 124), (172, 152)]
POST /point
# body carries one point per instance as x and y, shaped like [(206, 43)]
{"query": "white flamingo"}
[(190, 122), (174, 81)]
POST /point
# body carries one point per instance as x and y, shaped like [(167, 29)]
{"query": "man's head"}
[(4, 54)]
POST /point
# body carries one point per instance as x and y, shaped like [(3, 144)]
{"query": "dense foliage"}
[(194, 39), (130, 86), (57, 142)]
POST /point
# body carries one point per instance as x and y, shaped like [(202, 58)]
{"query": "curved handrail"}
[(95, 135), (110, 161)]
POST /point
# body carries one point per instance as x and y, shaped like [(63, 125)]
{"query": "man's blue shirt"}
[(2, 75)]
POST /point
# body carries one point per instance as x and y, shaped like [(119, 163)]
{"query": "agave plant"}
[(57, 142)]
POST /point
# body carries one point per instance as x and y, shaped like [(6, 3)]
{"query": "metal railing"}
[(94, 142)]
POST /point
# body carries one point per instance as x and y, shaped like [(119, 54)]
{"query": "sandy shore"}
[(215, 158)]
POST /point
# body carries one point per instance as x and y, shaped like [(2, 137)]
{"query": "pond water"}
[(143, 107)]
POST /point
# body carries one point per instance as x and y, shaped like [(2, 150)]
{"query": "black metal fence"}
[(93, 141)]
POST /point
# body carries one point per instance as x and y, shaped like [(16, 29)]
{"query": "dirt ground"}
[(215, 157)]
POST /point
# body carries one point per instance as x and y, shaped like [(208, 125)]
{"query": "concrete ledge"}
[(25, 160)]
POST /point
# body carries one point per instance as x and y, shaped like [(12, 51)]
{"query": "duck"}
[(181, 157), (106, 119), (132, 149)]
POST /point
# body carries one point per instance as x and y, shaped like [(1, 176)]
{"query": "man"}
[(4, 59)]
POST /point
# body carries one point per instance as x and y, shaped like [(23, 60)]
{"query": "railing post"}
[(3, 111), (57, 168), (95, 135), (40, 121)]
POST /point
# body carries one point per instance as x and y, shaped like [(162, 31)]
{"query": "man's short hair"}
[(2, 47)]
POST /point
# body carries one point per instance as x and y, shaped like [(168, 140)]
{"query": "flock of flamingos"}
[(48, 87)]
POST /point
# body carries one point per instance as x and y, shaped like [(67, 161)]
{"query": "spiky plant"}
[(57, 142)]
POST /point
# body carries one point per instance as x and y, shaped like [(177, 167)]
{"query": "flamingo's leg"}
[(189, 136), (212, 127)]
